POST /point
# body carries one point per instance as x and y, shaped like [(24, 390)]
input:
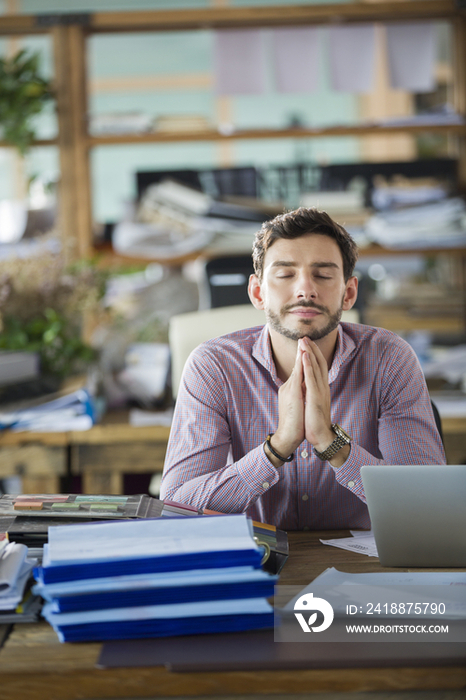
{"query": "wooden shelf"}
[(108, 258), (112, 431), (359, 131), (296, 133), (231, 17), (39, 142), (378, 250)]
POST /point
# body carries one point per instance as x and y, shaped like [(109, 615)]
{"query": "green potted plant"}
[(43, 308), (23, 94)]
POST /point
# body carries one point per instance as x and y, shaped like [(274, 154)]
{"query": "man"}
[(277, 420)]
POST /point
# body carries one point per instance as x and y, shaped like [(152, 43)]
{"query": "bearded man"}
[(276, 421)]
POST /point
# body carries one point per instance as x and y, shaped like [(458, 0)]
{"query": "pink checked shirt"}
[(228, 404)]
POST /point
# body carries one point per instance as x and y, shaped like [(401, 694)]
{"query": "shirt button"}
[(304, 496), (265, 485), (350, 484), (304, 454)]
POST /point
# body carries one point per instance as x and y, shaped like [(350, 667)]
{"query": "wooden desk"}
[(35, 666), (101, 455)]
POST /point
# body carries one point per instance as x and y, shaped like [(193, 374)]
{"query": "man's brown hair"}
[(294, 224)]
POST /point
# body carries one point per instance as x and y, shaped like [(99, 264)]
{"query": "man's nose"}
[(305, 287)]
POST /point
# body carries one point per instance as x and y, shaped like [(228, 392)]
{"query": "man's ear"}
[(351, 293), (255, 292)]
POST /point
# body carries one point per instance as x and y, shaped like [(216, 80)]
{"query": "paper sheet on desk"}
[(11, 563), (342, 589), (15, 570), (361, 542), (14, 595), (142, 418)]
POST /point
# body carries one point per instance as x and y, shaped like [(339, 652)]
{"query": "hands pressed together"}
[(304, 405)]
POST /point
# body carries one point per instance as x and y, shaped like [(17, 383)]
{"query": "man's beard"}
[(274, 321)]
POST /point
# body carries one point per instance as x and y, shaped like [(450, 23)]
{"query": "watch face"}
[(342, 433)]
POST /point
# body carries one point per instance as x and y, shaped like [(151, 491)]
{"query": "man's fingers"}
[(316, 360), (297, 373), (317, 353), (309, 358), (309, 372)]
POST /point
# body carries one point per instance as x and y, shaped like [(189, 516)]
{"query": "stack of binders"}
[(154, 578)]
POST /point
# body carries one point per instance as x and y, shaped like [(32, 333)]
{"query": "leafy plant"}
[(23, 93), (43, 306), (61, 350)]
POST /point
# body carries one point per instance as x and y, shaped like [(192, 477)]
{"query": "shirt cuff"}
[(348, 475), (257, 471)]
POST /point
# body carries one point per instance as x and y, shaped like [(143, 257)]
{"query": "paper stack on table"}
[(15, 573), (36, 512), (154, 578)]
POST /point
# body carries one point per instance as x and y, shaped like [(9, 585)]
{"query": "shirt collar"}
[(345, 348), (262, 352)]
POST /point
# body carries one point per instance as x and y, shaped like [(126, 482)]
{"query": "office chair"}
[(226, 280), (438, 421), (187, 331)]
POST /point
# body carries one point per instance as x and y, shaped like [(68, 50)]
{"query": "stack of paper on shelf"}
[(154, 578), (438, 224), (175, 220), (73, 411), (17, 604)]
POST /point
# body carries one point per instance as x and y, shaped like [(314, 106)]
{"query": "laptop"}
[(418, 513)]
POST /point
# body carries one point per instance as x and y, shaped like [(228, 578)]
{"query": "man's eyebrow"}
[(325, 264), (284, 263), (291, 263)]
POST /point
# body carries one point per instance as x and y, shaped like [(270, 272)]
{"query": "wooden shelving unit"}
[(70, 31), (301, 133)]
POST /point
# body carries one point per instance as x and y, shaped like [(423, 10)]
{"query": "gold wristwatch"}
[(342, 439)]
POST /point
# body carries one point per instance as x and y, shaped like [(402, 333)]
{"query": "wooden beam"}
[(75, 190), (230, 17), (20, 24), (219, 17), (459, 91)]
